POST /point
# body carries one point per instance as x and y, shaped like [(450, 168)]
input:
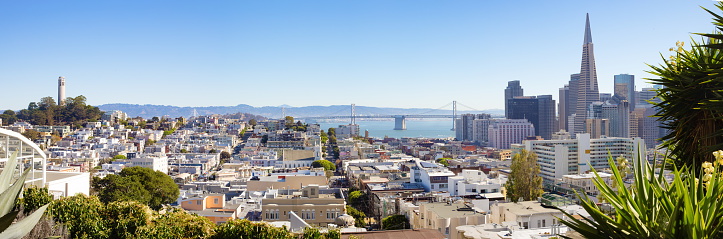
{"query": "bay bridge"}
[(400, 121)]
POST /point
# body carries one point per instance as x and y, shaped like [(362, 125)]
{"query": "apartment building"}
[(315, 205)]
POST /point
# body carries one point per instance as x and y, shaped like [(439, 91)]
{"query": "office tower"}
[(513, 89), (625, 87), (540, 111), (546, 116), (618, 114), (604, 97), (645, 127), (647, 94), (562, 107), (61, 90), (504, 132), (587, 91), (597, 128), (464, 131), (480, 129)]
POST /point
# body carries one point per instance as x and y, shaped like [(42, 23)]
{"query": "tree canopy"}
[(143, 185), (395, 222), (47, 112), (524, 180), (324, 164)]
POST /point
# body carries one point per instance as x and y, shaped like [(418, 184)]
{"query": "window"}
[(276, 216), (215, 201), (432, 186), (313, 214), (543, 222), (199, 202), (538, 223)]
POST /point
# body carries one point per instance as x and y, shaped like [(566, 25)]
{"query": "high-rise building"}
[(645, 95), (546, 116), (604, 97), (513, 89), (587, 91), (562, 107), (618, 114), (645, 127), (504, 132), (480, 129), (625, 87), (464, 129), (540, 111), (61, 90)]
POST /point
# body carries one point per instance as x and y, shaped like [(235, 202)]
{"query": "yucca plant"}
[(691, 100), (9, 195), (653, 208)]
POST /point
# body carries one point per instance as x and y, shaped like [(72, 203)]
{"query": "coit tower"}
[(61, 90)]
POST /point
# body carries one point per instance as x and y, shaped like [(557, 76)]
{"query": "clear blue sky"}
[(372, 53)]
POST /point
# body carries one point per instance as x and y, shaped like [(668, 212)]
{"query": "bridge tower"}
[(454, 114), (283, 112), (400, 122), (353, 120)]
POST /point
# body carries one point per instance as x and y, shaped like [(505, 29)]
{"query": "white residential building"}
[(432, 176), (155, 163), (575, 156), (473, 182), (584, 182)]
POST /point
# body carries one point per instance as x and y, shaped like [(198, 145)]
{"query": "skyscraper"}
[(540, 111), (61, 90), (562, 107), (587, 91), (625, 87), (513, 89)]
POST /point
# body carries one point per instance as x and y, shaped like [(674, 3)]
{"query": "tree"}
[(31, 134), (324, 164), (120, 156), (524, 180), (252, 122), (358, 216), (264, 139), (213, 151), (143, 185), (395, 222), (324, 137), (443, 161), (225, 155), (9, 117), (691, 106), (289, 121), (356, 198), (183, 151)]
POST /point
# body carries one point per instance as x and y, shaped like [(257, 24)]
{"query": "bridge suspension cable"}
[(473, 109)]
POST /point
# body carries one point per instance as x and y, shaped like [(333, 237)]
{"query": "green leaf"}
[(8, 197), (22, 228), (7, 175), (7, 220)]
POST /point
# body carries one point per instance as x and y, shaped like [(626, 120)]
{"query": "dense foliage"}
[(9, 191), (48, 112), (524, 180), (359, 216), (443, 161), (326, 164), (689, 207), (142, 185), (395, 222), (691, 106)]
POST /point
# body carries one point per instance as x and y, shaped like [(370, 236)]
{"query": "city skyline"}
[(367, 53)]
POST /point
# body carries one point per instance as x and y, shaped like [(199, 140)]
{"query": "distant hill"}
[(148, 111)]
